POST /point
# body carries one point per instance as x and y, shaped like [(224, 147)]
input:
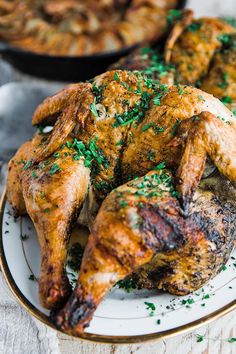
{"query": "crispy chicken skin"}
[(140, 224)]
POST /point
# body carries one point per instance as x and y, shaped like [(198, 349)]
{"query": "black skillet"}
[(62, 68)]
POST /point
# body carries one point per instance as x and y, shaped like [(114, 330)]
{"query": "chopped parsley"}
[(97, 91), (136, 113), (91, 153), (116, 76), (128, 284), (194, 27), (93, 108), (200, 338), (150, 306), (161, 166), (27, 165), (173, 15), (226, 99), (54, 169), (33, 174)]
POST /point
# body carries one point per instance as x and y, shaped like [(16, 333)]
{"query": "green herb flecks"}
[(128, 284), (93, 108), (150, 306), (194, 27), (156, 67), (226, 99), (97, 91), (136, 113), (55, 168), (27, 165), (201, 338), (173, 15), (93, 155)]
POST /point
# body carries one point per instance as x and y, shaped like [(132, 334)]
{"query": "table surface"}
[(214, 333)]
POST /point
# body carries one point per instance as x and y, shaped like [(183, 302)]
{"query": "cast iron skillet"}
[(63, 68)]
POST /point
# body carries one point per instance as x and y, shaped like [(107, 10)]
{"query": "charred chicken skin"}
[(105, 133), (140, 228)]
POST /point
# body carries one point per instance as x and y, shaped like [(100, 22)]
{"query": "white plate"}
[(122, 317)]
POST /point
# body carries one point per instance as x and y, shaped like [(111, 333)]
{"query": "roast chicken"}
[(199, 52), (106, 132)]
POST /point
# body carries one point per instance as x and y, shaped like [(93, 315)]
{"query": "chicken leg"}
[(54, 192)]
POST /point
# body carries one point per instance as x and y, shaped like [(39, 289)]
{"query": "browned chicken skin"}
[(140, 224), (192, 50), (120, 126)]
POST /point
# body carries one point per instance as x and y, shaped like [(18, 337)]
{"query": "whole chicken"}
[(105, 133)]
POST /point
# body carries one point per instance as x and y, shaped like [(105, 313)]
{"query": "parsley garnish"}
[(226, 99), (27, 165), (127, 284), (194, 26), (116, 76), (173, 15), (54, 169), (93, 108), (161, 166)]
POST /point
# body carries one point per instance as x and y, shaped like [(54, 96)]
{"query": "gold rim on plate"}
[(32, 310)]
